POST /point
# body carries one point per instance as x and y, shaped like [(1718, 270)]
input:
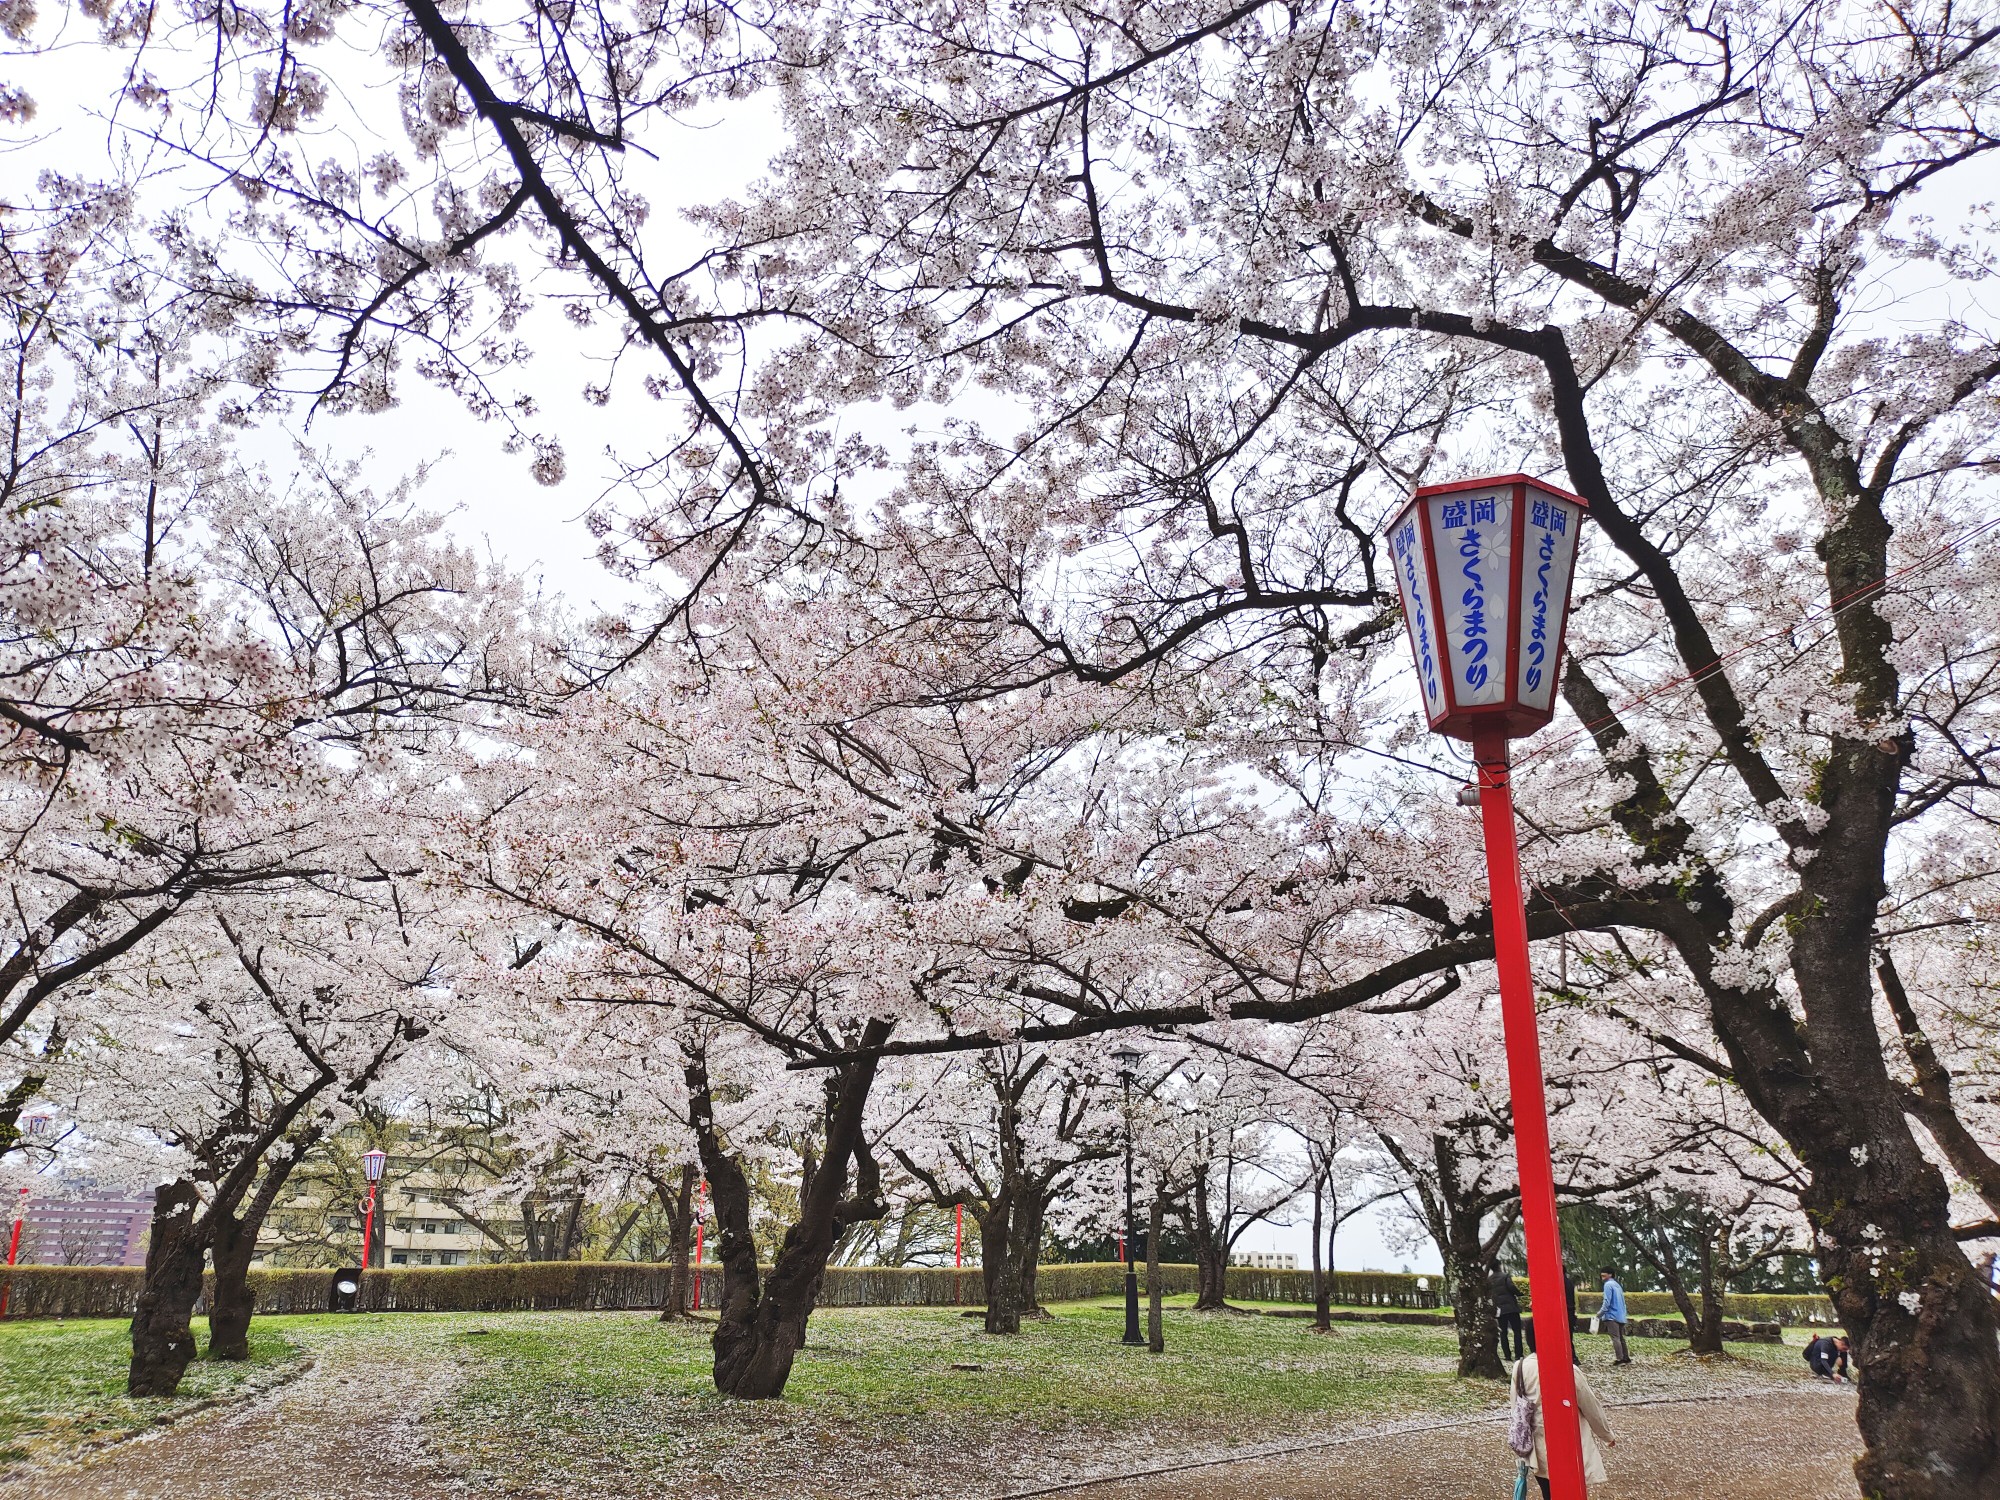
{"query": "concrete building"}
[(85, 1232), (1265, 1260)]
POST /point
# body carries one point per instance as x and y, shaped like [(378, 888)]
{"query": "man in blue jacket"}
[(1611, 1316)]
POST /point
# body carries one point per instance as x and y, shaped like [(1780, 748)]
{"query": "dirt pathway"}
[(1798, 1446), (347, 1429)]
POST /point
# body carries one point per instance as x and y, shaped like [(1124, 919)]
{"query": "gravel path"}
[(1798, 1445), (348, 1429)]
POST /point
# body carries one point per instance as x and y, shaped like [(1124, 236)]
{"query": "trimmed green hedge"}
[(1350, 1288), (113, 1291)]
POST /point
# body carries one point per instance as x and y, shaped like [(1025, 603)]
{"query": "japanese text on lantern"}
[(1473, 536), (1551, 544), (1410, 571)]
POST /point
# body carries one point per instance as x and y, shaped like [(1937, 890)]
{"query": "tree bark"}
[(1472, 1309), (1211, 1252), (229, 1303), (997, 1265), (1322, 1277), (680, 1235), (1156, 1334), (761, 1327), (1030, 1208), (162, 1340), (1706, 1336)]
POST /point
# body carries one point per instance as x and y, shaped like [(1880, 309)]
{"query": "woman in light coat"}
[(1528, 1382)]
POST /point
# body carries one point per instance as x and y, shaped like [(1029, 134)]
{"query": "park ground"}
[(885, 1403)]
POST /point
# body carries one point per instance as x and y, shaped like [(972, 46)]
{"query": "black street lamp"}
[(1128, 1062)]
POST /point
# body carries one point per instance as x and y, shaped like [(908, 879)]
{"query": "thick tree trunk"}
[(1705, 1333), (680, 1237), (996, 1263), (162, 1342), (1156, 1333), (1472, 1310), (1025, 1245), (1211, 1253), (761, 1328), (229, 1303), (1923, 1330)]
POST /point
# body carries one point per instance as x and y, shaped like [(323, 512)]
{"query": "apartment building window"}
[(399, 1259)]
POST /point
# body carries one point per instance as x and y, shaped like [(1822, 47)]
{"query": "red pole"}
[(1546, 1293), (14, 1248), (700, 1224), (368, 1228)]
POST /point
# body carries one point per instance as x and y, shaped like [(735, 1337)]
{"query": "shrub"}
[(113, 1291), (1793, 1309)]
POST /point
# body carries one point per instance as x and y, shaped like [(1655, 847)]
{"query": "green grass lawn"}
[(912, 1397), (883, 1401), (62, 1384)]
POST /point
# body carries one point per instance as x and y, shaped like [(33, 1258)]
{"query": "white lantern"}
[(1483, 567), (372, 1163)]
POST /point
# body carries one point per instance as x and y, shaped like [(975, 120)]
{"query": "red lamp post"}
[(372, 1163), (14, 1248), (700, 1225), (1483, 567)]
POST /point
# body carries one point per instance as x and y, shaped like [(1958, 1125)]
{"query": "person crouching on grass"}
[(1828, 1357)]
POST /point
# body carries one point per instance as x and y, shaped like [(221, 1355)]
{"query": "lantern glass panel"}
[(1407, 550), (1473, 533), (1549, 540)]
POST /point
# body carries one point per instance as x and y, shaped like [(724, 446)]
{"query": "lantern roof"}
[(1423, 490)]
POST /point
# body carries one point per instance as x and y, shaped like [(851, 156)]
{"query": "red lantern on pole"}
[(1483, 567)]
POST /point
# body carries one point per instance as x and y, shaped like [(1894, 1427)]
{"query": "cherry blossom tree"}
[(228, 1050), (1246, 271), (1004, 1133)]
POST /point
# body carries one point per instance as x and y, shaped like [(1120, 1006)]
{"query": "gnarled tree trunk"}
[(1025, 1247), (1211, 1251), (162, 1340), (762, 1323)]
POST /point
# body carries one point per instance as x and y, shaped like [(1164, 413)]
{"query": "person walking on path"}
[(1611, 1316), (1596, 1425), (1827, 1355), (1507, 1313)]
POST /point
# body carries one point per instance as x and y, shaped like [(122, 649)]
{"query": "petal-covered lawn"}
[(884, 1403)]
